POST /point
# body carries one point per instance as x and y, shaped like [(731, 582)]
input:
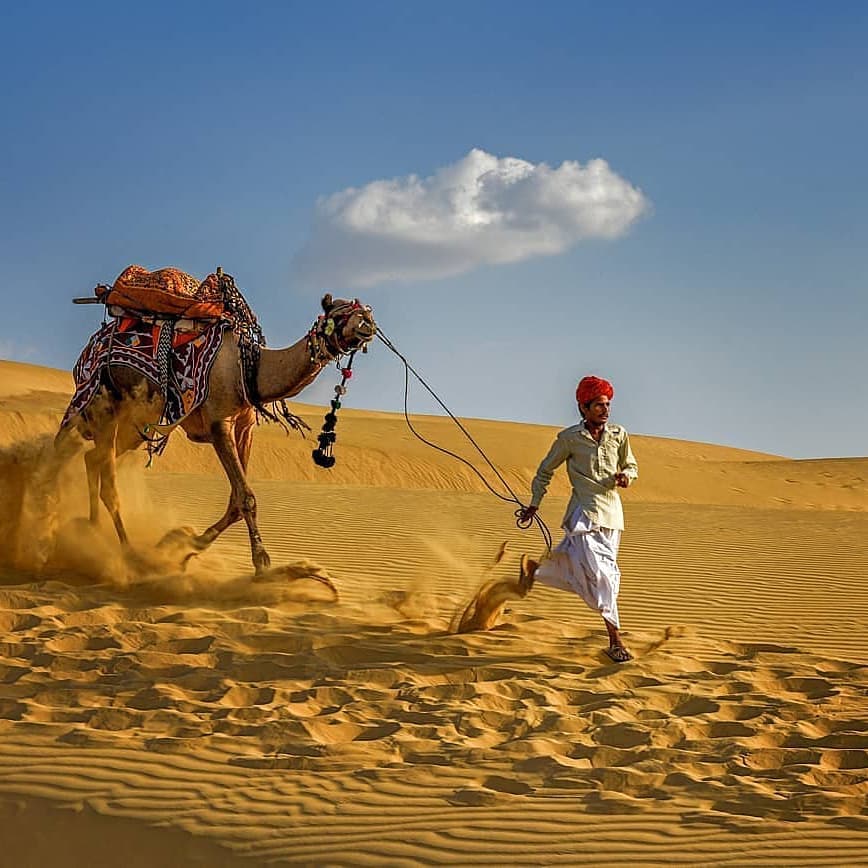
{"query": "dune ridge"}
[(377, 449), (240, 721)]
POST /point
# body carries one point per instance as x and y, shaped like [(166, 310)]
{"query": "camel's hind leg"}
[(68, 442), (101, 463), (92, 466), (242, 501)]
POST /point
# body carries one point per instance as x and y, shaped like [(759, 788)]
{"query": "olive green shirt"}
[(591, 467)]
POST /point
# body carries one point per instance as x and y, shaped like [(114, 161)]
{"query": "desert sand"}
[(151, 715)]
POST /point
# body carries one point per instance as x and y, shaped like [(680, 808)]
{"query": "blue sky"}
[(732, 309)]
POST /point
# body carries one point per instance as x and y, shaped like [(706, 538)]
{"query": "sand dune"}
[(202, 717)]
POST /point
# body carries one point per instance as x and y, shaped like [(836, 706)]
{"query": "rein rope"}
[(513, 498)]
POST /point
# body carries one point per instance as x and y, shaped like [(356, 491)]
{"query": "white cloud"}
[(482, 210)]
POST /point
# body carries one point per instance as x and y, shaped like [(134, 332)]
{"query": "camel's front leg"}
[(233, 509), (242, 501), (232, 514)]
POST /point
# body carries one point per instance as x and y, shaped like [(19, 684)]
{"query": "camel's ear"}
[(327, 303)]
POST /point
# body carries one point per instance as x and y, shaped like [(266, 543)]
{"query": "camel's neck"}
[(284, 373)]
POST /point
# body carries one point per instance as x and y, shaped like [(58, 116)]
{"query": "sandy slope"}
[(204, 718)]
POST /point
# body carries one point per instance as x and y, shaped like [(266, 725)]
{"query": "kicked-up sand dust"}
[(384, 696)]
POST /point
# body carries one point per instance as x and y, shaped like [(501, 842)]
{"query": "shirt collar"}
[(584, 426)]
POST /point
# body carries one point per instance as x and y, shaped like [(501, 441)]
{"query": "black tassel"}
[(323, 455)]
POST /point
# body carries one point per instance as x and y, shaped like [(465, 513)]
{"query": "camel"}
[(128, 402)]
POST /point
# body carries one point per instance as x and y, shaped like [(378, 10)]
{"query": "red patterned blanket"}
[(138, 344), (167, 291)]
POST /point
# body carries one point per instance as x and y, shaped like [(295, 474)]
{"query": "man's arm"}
[(557, 455), (628, 469)]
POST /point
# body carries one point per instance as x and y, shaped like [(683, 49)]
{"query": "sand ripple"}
[(329, 714), (269, 714)]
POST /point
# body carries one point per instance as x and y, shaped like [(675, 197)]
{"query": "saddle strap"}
[(164, 351)]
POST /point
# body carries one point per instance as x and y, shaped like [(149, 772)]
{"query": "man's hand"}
[(622, 480), (526, 514)]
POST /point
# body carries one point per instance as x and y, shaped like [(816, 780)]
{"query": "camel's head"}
[(344, 326)]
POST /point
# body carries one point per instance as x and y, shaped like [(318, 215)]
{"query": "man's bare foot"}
[(527, 570)]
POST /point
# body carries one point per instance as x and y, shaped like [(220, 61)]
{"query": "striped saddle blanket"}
[(176, 356)]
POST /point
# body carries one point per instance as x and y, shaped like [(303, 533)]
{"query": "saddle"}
[(167, 291)]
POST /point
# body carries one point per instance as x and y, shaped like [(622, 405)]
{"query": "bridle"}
[(325, 344), (325, 339)]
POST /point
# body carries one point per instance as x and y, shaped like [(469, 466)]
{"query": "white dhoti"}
[(585, 562)]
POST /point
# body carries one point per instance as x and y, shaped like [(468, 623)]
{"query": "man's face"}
[(597, 412)]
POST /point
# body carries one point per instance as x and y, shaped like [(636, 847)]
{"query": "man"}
[(599, 461)]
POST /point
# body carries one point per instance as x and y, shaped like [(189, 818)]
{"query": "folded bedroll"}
[(167, 291)]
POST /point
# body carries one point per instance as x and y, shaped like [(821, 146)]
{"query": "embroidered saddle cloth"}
[(175, 356)]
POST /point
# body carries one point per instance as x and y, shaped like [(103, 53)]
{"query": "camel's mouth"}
[(366, 330)]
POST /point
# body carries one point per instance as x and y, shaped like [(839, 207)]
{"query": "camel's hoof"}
[(181, 539), (295, 572), (179, 546)]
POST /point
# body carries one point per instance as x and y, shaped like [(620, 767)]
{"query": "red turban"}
[(593, 387)]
